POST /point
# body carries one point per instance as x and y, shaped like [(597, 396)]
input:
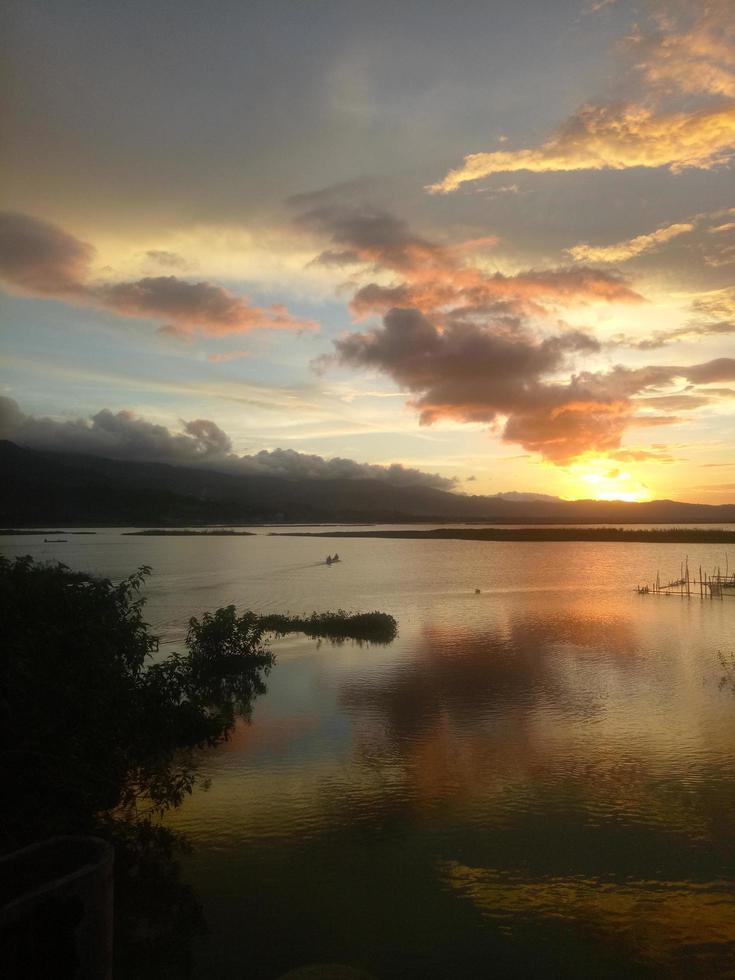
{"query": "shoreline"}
[(536, 534)]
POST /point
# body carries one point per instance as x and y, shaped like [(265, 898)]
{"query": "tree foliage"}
[(90, 728), (95, 736)]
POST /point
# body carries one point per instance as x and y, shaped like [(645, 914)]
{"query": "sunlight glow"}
[(601, 479)]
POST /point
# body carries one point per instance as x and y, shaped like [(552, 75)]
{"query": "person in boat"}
[(336, 557), (329, 559)]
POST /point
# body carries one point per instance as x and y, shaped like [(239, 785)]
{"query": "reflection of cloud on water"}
[(467, 675), (532, 728), (657, 921), (557, 714)]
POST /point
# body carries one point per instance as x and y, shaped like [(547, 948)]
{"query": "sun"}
[(598, 479)]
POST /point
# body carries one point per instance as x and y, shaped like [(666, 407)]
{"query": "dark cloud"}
[(370, 235), (170, 260), (43, 260), (191, 307), (121, 435), (464, 371), (37, 257), (201, 442), (293, 465)]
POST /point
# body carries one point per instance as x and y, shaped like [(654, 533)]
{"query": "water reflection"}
[(466, 673), (556, 781), (655, 922), (536, 781)]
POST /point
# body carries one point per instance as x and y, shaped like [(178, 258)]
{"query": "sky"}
[(488, 244)]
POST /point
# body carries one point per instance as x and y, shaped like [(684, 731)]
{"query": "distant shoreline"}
[(601, 534), (171, 532), (5, 531)]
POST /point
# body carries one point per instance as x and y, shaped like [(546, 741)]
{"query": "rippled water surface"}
[(536, 781)]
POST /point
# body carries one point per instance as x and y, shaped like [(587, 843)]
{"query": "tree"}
[(95, 737)]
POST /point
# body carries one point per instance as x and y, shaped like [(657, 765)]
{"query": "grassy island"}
[(375, 627), (689, 535), (183, 532), (22, 530)]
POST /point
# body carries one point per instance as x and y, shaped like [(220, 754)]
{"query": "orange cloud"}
[(614, 138), (696, 58), (434, 277), (622, 251), (691, 53), (40, 259)]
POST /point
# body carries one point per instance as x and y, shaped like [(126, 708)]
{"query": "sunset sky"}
[(493, 241)]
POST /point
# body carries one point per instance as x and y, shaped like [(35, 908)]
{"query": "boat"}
[(54, 540)]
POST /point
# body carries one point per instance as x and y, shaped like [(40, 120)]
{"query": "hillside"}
[(57, 488)]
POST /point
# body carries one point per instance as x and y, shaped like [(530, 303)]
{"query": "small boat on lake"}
[(54, 540), (332, 559)]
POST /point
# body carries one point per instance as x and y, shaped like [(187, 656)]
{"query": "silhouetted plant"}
[(96, 738), (88, 724), (375, 627)]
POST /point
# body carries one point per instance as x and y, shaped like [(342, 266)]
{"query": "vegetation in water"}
[(183, 532), (29, 531), (680, 535), (375, 627), (727, 662)]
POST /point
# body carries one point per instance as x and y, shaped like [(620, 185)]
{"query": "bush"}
[(374, 627), (96, 738), (89, 728)]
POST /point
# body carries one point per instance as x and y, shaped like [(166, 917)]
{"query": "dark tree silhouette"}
[(97, 738)]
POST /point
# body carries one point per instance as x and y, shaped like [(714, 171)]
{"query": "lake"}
[(534, 781)]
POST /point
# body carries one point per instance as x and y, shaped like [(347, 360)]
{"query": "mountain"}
[(522, 496), (40, 488)]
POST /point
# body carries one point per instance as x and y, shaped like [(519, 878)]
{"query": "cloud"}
[(715, 250), (201, 442), (437, 277), (675, 403), (121, 435), (230, 355), (192, 307), (614, 138), (660, 338), (622, 251), (711, 315), (690, 54), (467, 373), (373, 236), (596, 6), (294, 465), (465, 291), (658, 454), (40, 259), (171, 260), (467, 344), (694, 57)]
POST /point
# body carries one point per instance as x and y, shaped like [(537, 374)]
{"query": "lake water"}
[(536, 781)]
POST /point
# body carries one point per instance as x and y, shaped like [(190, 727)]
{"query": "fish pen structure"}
[(715, 585)]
